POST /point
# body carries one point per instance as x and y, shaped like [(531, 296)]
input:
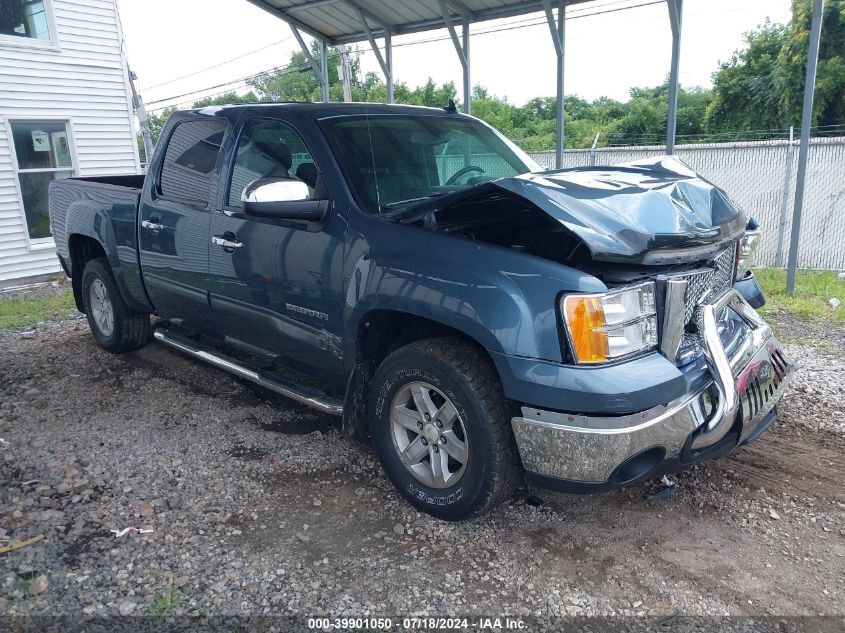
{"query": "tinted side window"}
[(270, 149), (189, 160)]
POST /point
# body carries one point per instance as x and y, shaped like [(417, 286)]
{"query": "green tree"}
[(229, 98), (829, 102), (745, 95), (762, 85)]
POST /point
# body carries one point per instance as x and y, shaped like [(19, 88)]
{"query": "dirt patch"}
[(258, 506), (302, 425), (247, 453)]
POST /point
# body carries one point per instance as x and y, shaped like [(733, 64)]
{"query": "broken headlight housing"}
[(612, 325), (745, 249)]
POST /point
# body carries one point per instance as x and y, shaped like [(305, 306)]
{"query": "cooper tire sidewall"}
[(461, 499)]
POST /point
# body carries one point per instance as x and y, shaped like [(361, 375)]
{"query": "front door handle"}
[(220, 240), (153, 224)]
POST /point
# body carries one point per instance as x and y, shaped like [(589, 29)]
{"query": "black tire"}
[(465, 375), (131, 329)]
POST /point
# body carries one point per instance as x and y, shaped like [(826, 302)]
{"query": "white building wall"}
[(79, 77)]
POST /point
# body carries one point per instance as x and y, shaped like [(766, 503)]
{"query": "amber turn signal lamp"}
[(586, 320)]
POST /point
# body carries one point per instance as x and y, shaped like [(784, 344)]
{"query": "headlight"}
[(745, 252), (604, 327)]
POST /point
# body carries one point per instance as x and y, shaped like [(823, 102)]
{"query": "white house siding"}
[(82, 80)]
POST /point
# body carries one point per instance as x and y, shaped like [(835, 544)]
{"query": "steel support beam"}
[(467, 80), (282, 15), (369, 15), (324, 72), (386, 68), (461, 48), (313, 4), (480, 15), (322, 79), (676, 9), (461, 8), (557, 29), (388, 54), (804, 145)]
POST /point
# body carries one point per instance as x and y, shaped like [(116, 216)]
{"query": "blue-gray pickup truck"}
[(411, 271)]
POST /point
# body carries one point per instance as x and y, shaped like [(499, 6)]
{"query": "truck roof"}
[(319, 110)]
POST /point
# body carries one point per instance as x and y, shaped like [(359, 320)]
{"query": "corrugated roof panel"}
[(404, 11), (338, 21)]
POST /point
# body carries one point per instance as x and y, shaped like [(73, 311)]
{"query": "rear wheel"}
[(441, 426), (115, 326)]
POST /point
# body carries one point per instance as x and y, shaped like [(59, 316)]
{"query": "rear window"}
[(190, 158)]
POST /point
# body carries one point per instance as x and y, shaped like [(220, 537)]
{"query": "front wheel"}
[(115, 326), (441, 427)]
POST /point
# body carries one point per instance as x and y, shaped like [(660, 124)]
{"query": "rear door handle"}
[(152, 225), (219, 240)]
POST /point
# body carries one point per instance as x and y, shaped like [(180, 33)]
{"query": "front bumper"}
[(582, 453)]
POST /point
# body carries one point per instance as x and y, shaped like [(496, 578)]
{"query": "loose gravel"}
[(248, 504)]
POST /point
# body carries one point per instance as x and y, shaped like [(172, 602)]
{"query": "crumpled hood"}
[(646, 211)]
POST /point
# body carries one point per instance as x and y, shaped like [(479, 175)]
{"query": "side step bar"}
[(304, 395)]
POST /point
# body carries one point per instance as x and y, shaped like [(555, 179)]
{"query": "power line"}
[(510, 26), (280, 71), (223, 63)]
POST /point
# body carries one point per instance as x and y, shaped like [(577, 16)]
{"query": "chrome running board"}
[(302, 394)]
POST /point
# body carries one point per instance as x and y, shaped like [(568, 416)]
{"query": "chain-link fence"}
[(760, 177)]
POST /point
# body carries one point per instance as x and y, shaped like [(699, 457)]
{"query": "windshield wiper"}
[(410, 201)]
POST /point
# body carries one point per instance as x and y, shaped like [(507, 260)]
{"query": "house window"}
[(24, 18), (43, 154)]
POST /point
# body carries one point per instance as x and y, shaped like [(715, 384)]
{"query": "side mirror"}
[(282, 199)]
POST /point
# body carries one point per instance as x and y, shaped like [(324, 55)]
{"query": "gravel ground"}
[(255, 505)]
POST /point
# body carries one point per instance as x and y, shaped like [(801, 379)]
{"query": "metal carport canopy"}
[(339, 22)]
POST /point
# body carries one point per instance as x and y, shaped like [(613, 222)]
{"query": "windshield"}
[(394, 162)]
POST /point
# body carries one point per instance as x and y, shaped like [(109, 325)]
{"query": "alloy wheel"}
[(428, 435), (101, 307)]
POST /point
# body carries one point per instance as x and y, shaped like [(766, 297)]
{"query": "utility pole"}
[(346, 74), (143, 119)]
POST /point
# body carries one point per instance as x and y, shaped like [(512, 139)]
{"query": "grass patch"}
[(22, 311), (813, 290), (164, 603)]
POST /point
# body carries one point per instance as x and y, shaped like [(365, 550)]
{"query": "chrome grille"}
[(699, 285), (725, 265), (704, 285)]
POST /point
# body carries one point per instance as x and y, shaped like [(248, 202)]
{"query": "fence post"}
[(784, 205), (593, 150), (804, 146)]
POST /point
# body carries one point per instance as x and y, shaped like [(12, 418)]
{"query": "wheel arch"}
[(380, 332), (82, 249)]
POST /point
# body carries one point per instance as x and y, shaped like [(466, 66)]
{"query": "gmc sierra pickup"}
[(413, 272)]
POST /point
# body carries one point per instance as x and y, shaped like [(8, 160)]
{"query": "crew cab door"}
[(174, 220), (275, 285)]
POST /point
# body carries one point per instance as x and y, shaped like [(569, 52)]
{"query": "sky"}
[(182, 50)]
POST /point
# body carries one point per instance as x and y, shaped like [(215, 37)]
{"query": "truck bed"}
[(128, 181), (103, 209), (74, 203)]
